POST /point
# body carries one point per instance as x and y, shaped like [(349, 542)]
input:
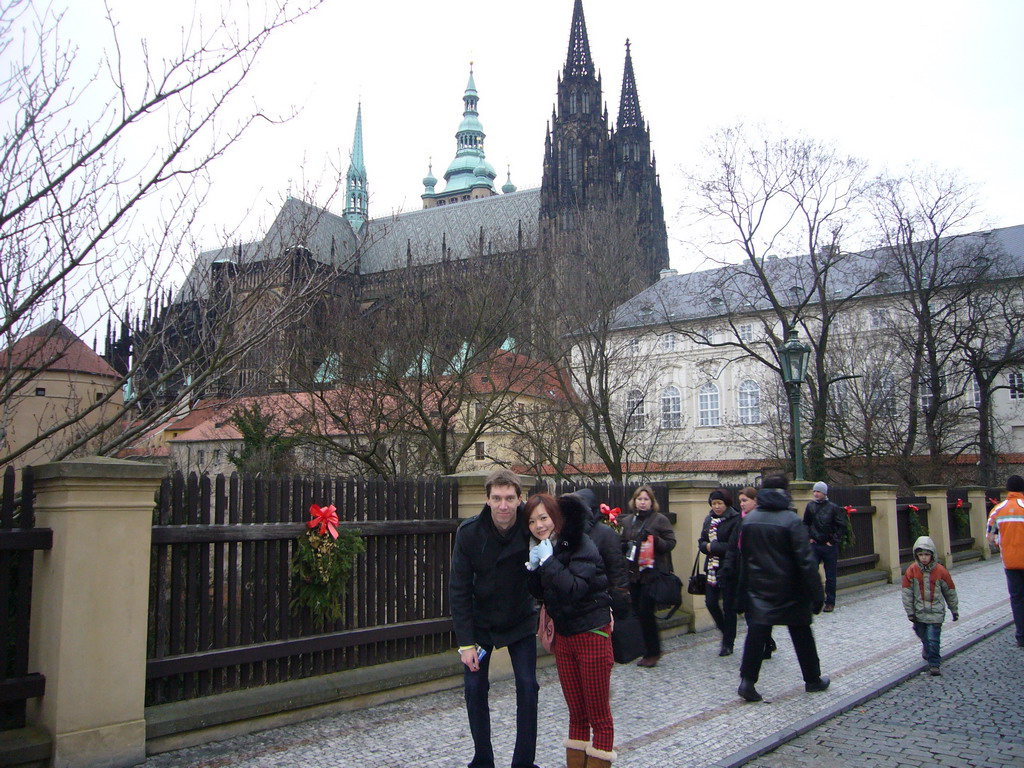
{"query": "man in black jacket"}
[(779, 584), (826, 525), (491, 608)]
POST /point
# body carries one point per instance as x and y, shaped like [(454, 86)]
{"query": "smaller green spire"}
[(356, 198), (508, 187), (429, 181)]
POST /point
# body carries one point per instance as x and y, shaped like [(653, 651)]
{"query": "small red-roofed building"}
[(52, 385)]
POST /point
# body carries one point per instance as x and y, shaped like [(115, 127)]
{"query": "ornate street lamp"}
[(793, 357)]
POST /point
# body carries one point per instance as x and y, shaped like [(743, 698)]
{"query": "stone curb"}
[(800, 727)]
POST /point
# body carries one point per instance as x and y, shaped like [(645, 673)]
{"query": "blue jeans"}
[(523, 654), (1015, 585), (830, 557), (931, 636)]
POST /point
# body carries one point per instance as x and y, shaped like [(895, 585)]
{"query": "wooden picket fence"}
[(221, 580)]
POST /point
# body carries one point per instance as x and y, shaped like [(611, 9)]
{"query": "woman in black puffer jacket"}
[(567, 575)]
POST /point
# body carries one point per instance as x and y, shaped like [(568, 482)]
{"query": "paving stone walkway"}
[(684, 712), (968, 718)]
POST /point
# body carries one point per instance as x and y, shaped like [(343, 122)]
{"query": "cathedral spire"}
[(629, 103), (356, 208), (578, 62)]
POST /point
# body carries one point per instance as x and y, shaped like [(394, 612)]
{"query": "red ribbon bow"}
[(611, 514), (913, 507), (326, 518), (959, 503), (850, 509)]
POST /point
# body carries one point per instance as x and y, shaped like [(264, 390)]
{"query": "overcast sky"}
[(893, 82)]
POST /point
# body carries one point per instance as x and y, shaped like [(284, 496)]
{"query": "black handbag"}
[(665, 589), (698, 584), (627, 639)]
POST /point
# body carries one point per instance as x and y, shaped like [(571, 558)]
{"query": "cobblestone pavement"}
[(684, 712), (970, 718)]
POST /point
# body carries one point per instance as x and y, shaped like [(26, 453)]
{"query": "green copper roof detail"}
[(469, 169), (508, 187), (429, 180), (356, 197)]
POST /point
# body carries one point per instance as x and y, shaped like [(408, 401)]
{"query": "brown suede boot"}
[(576, 753), (598, 758)]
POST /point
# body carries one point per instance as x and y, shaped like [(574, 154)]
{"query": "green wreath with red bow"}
[(323, 563)]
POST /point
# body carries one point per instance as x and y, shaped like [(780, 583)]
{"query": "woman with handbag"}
[(567, 576), (717, 541), (646, 530)]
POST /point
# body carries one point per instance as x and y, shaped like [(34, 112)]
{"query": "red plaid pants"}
[(585, 664)]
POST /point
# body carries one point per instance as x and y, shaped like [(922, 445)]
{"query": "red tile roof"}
[(53, 347)]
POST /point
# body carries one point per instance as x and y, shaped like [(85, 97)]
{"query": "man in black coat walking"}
[(779, 584)]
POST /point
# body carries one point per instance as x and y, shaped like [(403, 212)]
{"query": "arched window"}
[(884, 395), (572, 103), (585, 100), (671, 408), (574, 164), (636, 410), (708, 411), (748, 398), (973, 392)]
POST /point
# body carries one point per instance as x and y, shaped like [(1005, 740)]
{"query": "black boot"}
[(747, 690), (818, 685)]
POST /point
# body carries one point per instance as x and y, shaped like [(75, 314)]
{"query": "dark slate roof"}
[(457, 227), (329, 238), (733, 289), (389, 240)]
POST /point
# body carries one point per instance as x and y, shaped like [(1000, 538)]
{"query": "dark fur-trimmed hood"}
[(575, 515)]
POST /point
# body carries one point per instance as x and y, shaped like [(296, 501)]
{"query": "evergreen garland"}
[(321, 570)]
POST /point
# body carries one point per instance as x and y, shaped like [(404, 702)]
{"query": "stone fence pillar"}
[(938, 520), (90, 607), (801, 493), (689, 500), (884, 531), (978, 515)]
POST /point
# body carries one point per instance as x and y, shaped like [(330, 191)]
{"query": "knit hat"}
[(820, 486), (721, 494), (1015, 483)]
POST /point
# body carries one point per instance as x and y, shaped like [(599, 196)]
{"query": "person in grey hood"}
[(927, 590)]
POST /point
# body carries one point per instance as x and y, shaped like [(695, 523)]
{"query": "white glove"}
[(544, 550), (534, 562)]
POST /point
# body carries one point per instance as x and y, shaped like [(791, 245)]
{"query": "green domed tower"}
[(469, 176)]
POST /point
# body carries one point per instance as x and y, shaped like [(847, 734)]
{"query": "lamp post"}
[(793, 358)]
